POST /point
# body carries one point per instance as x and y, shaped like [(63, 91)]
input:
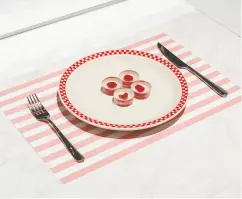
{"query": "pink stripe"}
[(57, 141), (194, 61), (124, 138), (149, 140), (198, 81), (31, 82), (199, 69), (28, 115), (203, 90), (149, 48), (167, 42), (78, 145), (145, 41), (49, 131), (24, 95), (209, 100), (98, 150), (184, 55), (36, 124), (22, 106), (176, 48)]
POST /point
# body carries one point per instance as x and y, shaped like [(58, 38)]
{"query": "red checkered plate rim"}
[(136, 126)]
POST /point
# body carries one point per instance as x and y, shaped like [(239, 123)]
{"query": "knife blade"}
[(180, 64)]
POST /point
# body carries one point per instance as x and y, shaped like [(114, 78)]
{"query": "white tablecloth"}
[(207, 166)]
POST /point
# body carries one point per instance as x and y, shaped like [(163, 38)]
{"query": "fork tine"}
[(33, 103), (38, 103), (30, 108), (37, 98), (30, 105), (29, 100)]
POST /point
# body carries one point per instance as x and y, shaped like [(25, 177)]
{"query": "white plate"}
[(80, 85)]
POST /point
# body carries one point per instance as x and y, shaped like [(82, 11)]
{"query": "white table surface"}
[(225, 12), (17, 14), (209, 166)]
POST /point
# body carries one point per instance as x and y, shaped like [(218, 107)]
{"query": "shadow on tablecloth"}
[(116, 134)]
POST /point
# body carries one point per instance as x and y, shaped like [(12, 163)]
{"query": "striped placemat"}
[(99, 146)]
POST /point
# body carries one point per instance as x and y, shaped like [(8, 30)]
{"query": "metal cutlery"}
[(41, 114), (180, 64)]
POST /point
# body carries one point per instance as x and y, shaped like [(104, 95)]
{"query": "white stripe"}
[(26, 110), (204, 73), (210, 93), (32, 120), (214, 104), (152, 43), (24, 101), (53, 136), (77, 140), (30, 88), (201, 85), (44, 127), (96, 158), (177, 52)]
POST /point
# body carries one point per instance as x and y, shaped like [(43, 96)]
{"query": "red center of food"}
[(139, 88), (111, 84), (124, 96), (128, 78)]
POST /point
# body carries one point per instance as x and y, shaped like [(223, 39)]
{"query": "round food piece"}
[(128, 77), (110, 84), (141, 89), (123, 97)]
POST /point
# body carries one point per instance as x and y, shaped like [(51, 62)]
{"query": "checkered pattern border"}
[(162, 119)]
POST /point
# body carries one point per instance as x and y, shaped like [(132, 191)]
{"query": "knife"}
[(180, 64)]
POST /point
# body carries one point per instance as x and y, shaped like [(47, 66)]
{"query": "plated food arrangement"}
[(125, 88)]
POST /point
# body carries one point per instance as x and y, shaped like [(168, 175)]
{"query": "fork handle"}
[(219, 90), (78, 157)]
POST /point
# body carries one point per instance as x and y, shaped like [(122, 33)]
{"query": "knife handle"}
[(220, 91)]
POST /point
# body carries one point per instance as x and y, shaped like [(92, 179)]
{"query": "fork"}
[(41, 114)]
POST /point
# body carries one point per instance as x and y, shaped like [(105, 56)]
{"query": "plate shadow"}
[(111, 133)]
